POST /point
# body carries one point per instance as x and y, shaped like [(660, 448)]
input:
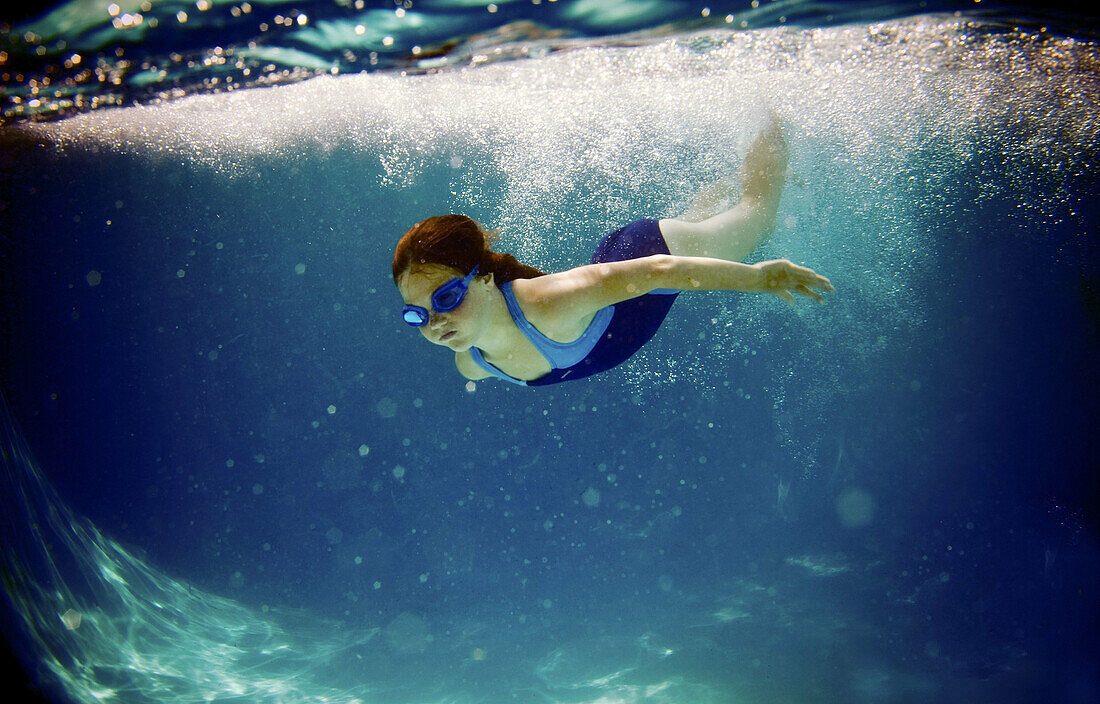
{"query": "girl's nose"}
[(435, 320)]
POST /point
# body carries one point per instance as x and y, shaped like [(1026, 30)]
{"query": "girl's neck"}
[(500, 335)]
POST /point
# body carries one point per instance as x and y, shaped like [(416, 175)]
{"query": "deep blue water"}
[(268, 489)]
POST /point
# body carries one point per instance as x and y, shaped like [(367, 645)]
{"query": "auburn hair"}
[(458, 242)]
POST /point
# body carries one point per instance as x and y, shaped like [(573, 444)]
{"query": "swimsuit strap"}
[(560, 355), (480, 361)]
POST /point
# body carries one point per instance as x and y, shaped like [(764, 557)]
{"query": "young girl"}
[(505, 319)]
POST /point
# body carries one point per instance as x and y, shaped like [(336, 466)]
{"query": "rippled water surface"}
[(86, 54), (232, 475)]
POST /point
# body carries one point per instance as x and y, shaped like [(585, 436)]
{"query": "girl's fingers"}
[(806, 291)]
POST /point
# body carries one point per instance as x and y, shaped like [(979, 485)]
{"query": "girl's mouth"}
[(449, 335)]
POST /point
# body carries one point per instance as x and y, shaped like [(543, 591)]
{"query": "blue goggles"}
[(446, 298)]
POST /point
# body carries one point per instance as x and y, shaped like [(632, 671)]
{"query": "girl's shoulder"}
[(546, 303)]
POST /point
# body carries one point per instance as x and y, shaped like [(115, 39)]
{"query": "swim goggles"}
[(446, 298)]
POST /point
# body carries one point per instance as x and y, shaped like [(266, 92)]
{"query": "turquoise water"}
[(232, 475), (87, 54)]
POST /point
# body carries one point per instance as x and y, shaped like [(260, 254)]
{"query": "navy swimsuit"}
[(617, 331)]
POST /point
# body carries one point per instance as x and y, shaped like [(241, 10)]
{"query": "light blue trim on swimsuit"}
[(560, 355), (475, 354)]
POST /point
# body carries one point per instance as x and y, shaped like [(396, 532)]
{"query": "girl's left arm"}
[(778, 277), (588, 288)]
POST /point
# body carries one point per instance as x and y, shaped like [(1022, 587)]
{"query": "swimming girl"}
[(512, 321)]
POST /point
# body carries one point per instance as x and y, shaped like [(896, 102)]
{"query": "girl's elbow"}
[(664, 271)]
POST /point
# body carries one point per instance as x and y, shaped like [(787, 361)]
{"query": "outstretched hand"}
[(783, 279)]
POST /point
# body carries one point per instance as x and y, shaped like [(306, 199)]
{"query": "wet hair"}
[(459, 242)]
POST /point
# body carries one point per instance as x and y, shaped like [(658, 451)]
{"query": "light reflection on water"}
[(101, 623), (107, 625), (84, 55)]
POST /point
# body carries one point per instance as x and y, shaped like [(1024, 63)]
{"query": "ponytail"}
[(505, 267)]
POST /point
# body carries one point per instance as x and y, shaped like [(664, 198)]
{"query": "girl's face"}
[(457, 329)]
